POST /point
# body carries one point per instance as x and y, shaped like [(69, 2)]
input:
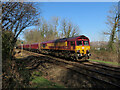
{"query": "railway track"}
[(109, 71), (96, 78), (115, 69), (88, 70), (101, 68), (104, 77)]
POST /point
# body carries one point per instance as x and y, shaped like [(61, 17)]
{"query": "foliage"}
[(16, 16), (51, 30), (40, 82), (112, 22), (105, 62), (15, 75), (19, 42), (104, 54), (69, 29), (6, 44), (45, 31)]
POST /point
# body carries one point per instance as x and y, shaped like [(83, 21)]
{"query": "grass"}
[(106, 62), (41, 82)]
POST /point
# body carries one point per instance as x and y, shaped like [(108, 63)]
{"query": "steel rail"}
[(99, 66), (103, 68), (110, 83), (88, 69), (115, 68)]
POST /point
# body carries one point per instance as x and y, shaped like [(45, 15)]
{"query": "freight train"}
[(74, 47)]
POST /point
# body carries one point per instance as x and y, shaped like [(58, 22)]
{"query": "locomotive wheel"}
[(76, 57), (86, 57)]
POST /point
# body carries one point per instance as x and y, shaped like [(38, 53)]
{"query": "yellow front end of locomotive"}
[(82, 50)]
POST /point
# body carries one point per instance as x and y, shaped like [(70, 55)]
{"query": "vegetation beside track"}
[(18, 75), (36, 78), (38, 81), (55, 61), (105, 62), (40, 71), (104, 56), (15, 74)]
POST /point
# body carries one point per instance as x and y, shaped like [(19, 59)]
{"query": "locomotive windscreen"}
[(79, 43), (86, 43)]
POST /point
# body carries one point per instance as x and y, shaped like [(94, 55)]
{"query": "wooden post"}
[(21, 48)]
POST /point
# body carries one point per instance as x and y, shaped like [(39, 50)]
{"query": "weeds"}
[(104, 55), (40, 82)]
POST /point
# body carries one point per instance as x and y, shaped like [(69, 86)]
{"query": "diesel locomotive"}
[(74, 47)]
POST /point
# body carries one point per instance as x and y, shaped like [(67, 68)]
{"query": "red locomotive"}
[(74, 47)]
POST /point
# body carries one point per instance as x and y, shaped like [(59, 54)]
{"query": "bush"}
[(7, 44)]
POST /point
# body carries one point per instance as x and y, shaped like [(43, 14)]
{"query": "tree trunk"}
[(119, 32), (12, 47), (119, 49)]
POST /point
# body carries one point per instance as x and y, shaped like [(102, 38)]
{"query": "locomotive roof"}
[(77, 37), (73, 38), (65, 39)]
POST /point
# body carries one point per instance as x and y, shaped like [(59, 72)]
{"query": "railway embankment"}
[(51, 72)]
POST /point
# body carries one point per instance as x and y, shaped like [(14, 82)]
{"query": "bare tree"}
[(69, 29), (64, 25), (16, 16), (119, 33), (75, 31), (112, 22), (45, 31), (55, 24), (49, 31)]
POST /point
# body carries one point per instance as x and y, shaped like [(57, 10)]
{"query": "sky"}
[(89, 16)]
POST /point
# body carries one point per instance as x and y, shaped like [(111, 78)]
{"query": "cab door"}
[(68, 44), (72, 45)]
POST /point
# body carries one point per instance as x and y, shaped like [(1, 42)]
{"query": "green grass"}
[(41, 82), (106, 62)]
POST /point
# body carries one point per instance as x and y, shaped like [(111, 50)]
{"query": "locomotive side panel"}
[(34, 46), (62, 45)]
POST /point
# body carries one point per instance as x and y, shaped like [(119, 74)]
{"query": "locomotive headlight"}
[(82, 47)]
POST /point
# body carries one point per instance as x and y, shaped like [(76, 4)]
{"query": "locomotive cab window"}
[(79, 43), (86, 43), (43, 45), (72, 43)]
